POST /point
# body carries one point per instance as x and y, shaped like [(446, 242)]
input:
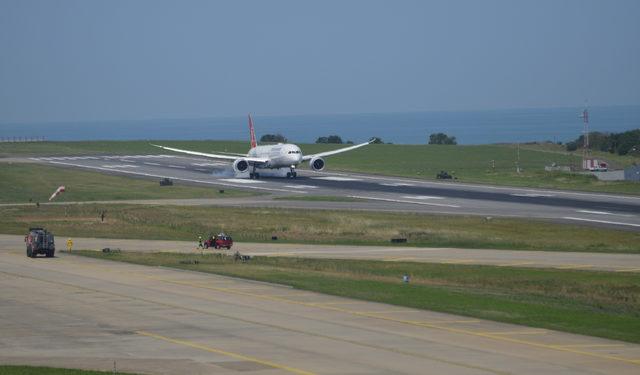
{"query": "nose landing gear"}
[(292, 174)]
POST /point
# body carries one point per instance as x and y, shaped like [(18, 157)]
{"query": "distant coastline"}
[(469, 127)]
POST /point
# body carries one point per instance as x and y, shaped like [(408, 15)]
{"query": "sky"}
[(112, 60)]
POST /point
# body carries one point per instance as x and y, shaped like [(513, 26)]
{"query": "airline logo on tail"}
[(253, 133)]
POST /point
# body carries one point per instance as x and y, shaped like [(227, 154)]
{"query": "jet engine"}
[(240, 165), (317, 164)]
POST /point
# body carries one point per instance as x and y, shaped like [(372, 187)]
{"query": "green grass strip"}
[(315, 227), (25, 182)]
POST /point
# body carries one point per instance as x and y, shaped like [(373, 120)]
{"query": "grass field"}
[(602, 304), (615, 160), (315, 226), (24, 182), (492, 164), (32, 370)]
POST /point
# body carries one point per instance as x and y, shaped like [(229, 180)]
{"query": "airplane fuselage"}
[(279, 156)]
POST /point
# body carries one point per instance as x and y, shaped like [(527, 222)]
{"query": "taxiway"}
[(72, 311)]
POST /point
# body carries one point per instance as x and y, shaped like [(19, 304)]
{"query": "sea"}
[(469, 127)]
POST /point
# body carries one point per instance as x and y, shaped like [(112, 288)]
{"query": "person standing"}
[(69, 244)]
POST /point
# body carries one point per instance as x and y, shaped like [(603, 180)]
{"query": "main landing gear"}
[(254, 175)]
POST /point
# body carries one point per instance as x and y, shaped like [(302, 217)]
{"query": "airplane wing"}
[(230, 153), (338, 151), (214, 156)]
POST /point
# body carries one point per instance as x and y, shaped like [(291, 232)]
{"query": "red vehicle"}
[(218, 242)]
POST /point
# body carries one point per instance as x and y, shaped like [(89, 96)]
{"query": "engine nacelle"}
[(240, 165), (317, 164)]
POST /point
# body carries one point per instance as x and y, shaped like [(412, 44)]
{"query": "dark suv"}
[(39, 241)]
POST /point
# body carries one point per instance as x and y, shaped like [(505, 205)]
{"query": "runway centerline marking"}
[(225, 353), (601, 221), (149, 163), (176, 166)]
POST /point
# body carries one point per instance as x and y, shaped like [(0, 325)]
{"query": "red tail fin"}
[(253, 133)]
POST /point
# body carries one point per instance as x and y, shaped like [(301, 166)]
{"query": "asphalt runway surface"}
[(381, 193), (71, 311), (503, 258)]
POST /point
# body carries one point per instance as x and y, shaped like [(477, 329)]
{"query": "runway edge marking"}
[(600, 221), (403, 201)]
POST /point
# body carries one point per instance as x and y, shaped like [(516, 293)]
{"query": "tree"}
[(275, 138), (442, 139), (620, 143), (329, 139), (334, 139), (571, 146)]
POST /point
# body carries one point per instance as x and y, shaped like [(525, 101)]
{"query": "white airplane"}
[(270, 157)]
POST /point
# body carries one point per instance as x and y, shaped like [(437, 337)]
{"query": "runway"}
[(79, 312), (385, 193), (502, 258)]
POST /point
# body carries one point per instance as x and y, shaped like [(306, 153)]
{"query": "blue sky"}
[(106, 60)]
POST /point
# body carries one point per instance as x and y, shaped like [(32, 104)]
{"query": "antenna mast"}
[(585, 145)]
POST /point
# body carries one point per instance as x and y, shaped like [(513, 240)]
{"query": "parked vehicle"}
[(40, 241), (219, 242), (595, 165), (444, 175)]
